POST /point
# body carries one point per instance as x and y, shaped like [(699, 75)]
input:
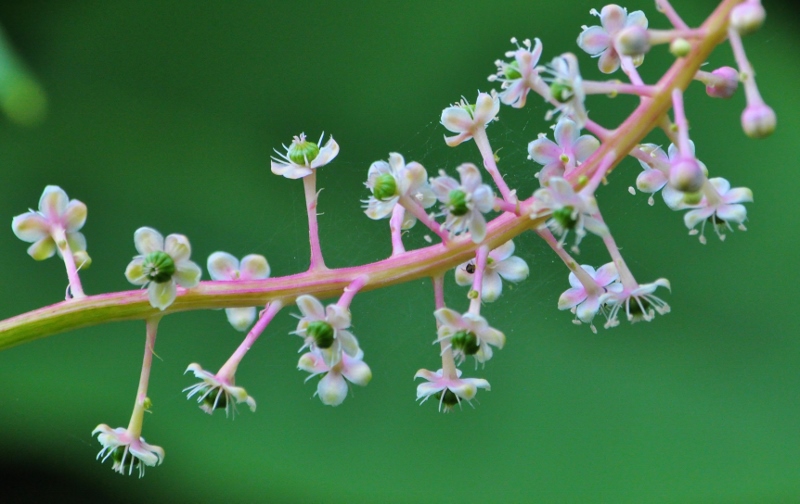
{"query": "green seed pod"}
[(303, 152), (466, 342), (213, 403), (511, 71), (385, 187), (458, 203), (561, 92), (159, 266), (449, 400), (124, 459), (564, 217), (321, 332)]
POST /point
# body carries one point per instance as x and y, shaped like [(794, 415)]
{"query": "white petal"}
[(449, 317), (544, 151), (135, 272), (503, 252), (187, 274), (491, 287), (470, 176), (332, 389), (42, 249), (161, 294), (513, 269), (463, 277), (178, 247), (325, 156), (30, 227), (732, 213), (147, 239), (254, 267), (456, 119), (594, 40), (53, 203), (357, 372), (223, 266), (241, 318), (74, 216), (571, 297), (348, 342), (311, 307)]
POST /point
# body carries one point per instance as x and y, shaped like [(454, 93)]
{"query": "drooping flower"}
[(501, 263), (302, 157), (570, 211), (599, 41), (393, 180), (332, 387), (655, 176), (721, 209), (468, 334), (464, 203), (324, 329), (161, 265), (583, 302), (449, 391), (521, 75), (567, 152), (223, 266), (466, 118), (566, 87), (216, 392), (127, 451), (58, 218), (639, 302)]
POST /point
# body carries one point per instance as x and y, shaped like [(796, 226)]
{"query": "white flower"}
[(449, 391), (500, 263), (567, 152), (216, 392), (639, 302), (585, 303), (570, 211), (521, 75), (58, 218), (389, 182), (126, 451), (332, 388), (161, 264), (468, 334), (599, 41), (324, 329), (302, 157), (223, 266), (464, 204), (566, 87), (721, 210), (465, 118)]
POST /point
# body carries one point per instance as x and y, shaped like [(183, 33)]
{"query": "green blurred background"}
[(166, 113)]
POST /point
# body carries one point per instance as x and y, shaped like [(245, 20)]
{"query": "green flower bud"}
[(385, 187), (680, 47), (302, 151), (564, 217), (321, 332), (458, 203), (158, 266), (82, 259), (465, 341), (511, 71), (561, 92)]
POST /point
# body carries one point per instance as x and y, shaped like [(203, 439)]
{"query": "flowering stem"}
[(135, 425), (630, 70), (477, 280), (310, 187), (655, 37), (448, 361), (228, 370), (583, 277), (625, 275), (747, 75), (419, 212), (75, 287), (597, 177), (396, 227), (673, 16), (612, 88), (681, 123), (351, 290), (482, 141), (506, 206)]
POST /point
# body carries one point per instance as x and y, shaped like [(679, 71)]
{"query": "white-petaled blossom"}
[(655, 174), (161, 265), (223, 266), (721, 209), (214, 392), (393, 180), (521, 75), (464, 203), (466, 118), (566, 87), (600, 41), (302, 157), (567, 152), (467, 334), (570, 211), (324, 330), (449, 391), (126, 451), (58, 218), (639, 303), (585, 303), (501, 263), (332, 387)]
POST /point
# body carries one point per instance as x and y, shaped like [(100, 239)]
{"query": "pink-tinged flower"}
[(464, 203), (302, 157), (583, 302), (468, 334), (127, 451), (393, 180), (324, 330), (449, 391), (567, 152), (599, 41), (161, 265), (721, 207), (223, 266), (215, 392), (639, 302), (500, 264), (521, 75), (466, 118), (58, 218), (569, 211), (566, 87), (332, 388), (655, 176)]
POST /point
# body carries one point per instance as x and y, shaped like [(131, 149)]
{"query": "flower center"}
[(561, 91), (449, 400), (211, 401), (385, 187), (466, 342), (124, 459), (302, 152), (158, 266), (458, 203), (322, 333), (565, 217), (511, 70)]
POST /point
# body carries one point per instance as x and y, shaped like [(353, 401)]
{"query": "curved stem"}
[(137, 417), (228, 369), (310, 188)]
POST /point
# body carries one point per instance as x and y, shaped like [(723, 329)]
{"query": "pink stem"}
[(583, 277), (482, 141), (501, 204), (75, 287), (477, 280), (448, 361), (310, 186), (396, 226), (598, 87), (351, 290), (630, 70), (419, 212), (682, 123), (135, 425), (625, 275), (670, 13), (745, 69), (228, 370)]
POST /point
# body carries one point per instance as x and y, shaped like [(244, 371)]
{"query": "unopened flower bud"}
[(322, 333), (686, 175), (727, 85), (748, 17), (458, 203), (302, 151), (82, 259), (633, 41), (758, 121), (680, 47)]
